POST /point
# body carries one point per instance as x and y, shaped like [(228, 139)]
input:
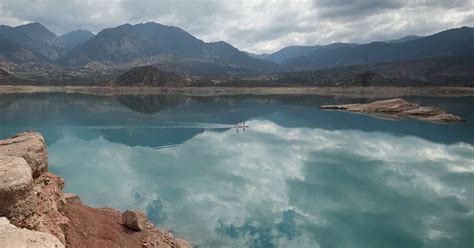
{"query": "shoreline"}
[(36, 212), (369, 92)]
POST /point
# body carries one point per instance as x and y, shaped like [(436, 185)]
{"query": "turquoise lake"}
[(297, 177)]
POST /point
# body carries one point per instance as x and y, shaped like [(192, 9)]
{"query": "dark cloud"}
[(253, 25), (348, 8)]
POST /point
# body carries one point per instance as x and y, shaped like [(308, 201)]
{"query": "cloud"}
[(253, 25), (349, 9), (285, 186)]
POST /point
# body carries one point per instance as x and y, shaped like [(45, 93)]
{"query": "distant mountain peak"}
[(154, 43), (36, 30), (80, 31), (404, 39), (75, 38), (32, 24)]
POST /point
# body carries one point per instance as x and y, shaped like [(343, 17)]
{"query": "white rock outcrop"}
[(17, 199), (30, 146), (14, 237)]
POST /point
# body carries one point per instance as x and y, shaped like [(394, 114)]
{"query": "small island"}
[(398, 108)]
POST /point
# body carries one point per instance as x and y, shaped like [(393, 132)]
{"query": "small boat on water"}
[(241, 125)]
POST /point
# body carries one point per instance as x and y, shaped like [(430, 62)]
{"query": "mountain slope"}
[(153, 42), (36, 31), (405, 39), (444, 71), (293, 52), (290, 52), (75, 38), (453, 42), (16, 53), (35, 37)]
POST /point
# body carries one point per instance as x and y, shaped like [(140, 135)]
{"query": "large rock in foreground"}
[(48, 216), (397, 108), (17, 200), (54, 219), (30, 146), (13, 237)]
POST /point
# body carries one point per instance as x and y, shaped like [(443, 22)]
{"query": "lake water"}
[(297, 177)]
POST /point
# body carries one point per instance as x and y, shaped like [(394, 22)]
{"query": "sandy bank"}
[(367, 92)]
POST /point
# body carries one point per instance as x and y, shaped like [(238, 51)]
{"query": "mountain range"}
[(449, 43), (79, 56), (124, 46)]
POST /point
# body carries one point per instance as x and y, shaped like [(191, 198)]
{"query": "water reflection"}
[(52, 113), (298, 177), (151, 104), (280, 187)]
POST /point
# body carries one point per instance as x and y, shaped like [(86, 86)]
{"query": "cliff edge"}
[(35, 211)]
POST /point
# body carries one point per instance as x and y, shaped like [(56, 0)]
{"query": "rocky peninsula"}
[(398, 108), (35, 211)]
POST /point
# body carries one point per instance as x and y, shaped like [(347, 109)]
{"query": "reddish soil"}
[(102, 227)]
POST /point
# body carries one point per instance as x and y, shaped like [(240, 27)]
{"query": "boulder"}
[(30, 146), (72, 198), (13, 237), (17, 200), (134, 220)]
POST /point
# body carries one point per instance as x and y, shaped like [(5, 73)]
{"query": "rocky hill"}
[(32, 47), (150, 76), (446, 71), (16, 53), (35, 37), (155, 43), (367, 79)]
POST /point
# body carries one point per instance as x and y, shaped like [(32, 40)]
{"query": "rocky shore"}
[(398, 108), (35, 211)]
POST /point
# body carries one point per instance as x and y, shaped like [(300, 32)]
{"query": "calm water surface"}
[(298, 177)]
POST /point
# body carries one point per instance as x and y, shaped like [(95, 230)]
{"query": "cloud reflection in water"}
[(284, 187)]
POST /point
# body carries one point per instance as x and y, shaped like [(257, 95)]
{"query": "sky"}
[(259, 26)]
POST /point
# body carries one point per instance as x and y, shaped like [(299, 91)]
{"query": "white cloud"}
[(253, 25)]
